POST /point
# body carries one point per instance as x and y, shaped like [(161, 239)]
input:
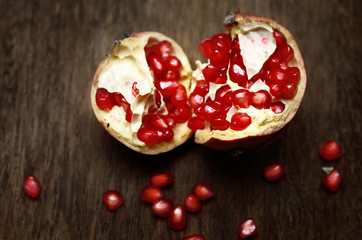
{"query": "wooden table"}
[(49, 53)]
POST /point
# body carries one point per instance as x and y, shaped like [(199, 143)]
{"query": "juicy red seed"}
[(177, 220), (277, 76), (221, 78), (32, 186), (148, 136), (235, 46), (261, 99), (170, 107), (210, 73), (274, 171), (237, 73), (168, 136), (219, 122), (247, 84), (221, 42), (162, 179), (242, 98), (164, 49), (155, 63), (112, 199), (162, 208), (275, 90), (289, 90), (195, 99), (247, 228), (129, 114), (171, 122), (151, 193), (179, 97), (135, 90), (279, 38), (170, 75), (192, 203), (293, 75), (283, 66), (219, 59), (209, 109), (203, 191), (286, 53), (104, 99), (194, 237), (224, 94), (196, 123), (182, 113), (277, 107), (330, 150), (167, 87), (273, 62), (205, 47), (155, 122), (202, 87), (332, 180), (173, 63), (240, 121)]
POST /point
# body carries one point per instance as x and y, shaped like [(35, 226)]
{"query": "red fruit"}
[(195, 99), (164, 49), (277, 107), (332, 180), (210, 73), (240, 121), (293, 75), (221, 42), (112, 199), (151, 193), (242, 98), (155, 63), (247, 228), (179, 97), (274, 171), (276, 90), (149, 136), (219, 122), (162, 208), (32, 186), (330, 150), (289, 90), (162, 179), (182, 113), (194, 237), (177, 220), (219, 59), (237, 73), (104, 99), (173, 64), (205, 47), (155, 122), (192, 203), (167, 87), (196, 123), (286, 53), (203, 191), (261, 99), (170, 75), (224, 94)]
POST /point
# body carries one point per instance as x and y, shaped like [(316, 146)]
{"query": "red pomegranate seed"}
[(170, 75), (162, 179), (32, 186), (195, 99), (247, 228), (286, 53), (293, 75), (192, 203), (275, 90), (219, 122), (274, 171), (237, 73), (225, 107), (224, 94), (171, 122), (221, 78), (277, 107), (279, 38), (149, 137), (129, 114), (162, 208), (205, 47), (151, 193), (155, 122), (219, 59), (155, 62), (242, 98), (112, 199), (208, 110), (167, 87), (247, 84), (135, 90), (203, 191), (261, 99), (332, 180), (179, 97), (173, 63), (177, 219), (196, 123), (202, 87), (240, 121), (273, 62), (210, 73), (194, 237), (221, 42), (289, 90), (104, 99), (182, 113), (168, 136), (277, 76), (330, 150)]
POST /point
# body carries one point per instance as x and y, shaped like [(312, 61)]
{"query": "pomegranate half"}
[(139, 93), (251, 86)]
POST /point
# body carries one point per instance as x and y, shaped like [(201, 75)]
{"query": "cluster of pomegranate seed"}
[(330, 151), (165, 208), (224, 56), (32, 186), (112, 200)]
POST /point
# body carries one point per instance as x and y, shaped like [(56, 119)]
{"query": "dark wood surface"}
[(49, 51)]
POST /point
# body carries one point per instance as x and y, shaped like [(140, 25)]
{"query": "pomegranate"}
[(32, 186), (247, 228), (112, 199), (330, 150), (139, 93), (332, 180), (251, 86), (194, 237)]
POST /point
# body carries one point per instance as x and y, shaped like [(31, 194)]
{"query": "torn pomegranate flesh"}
[(224, 56), (332, 180), (32, 186), (247, 228), (112, 200)]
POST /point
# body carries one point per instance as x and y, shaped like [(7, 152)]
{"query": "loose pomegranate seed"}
[(177, 219), (32, 186), (240, 121), (162, 179), (112, 199), (293, 75), (149, 137), (203, 191), (170, 75), (182, 113), (277, 107), (196, 123), (247, 228), (155, 62), (219, 122), (274, 171), (261, 99), (242, 98), (210, 73), (205, 47), (162, 208), (151, 193), (179, 97), (167, 87), (173, 63), (330, 150), (289, 90), (194, 237), (104, 99), (192, 203), (332, 180)]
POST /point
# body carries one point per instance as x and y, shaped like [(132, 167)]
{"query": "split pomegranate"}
[(274, 171), (151, 193), (162, 179), (192, 203), (330, 150), (203, 191), (332, 180), (112, 199), (251, 86), (32, 186), (194, 237), (162, 208), (140, 93), (247, 228), (177, 220)]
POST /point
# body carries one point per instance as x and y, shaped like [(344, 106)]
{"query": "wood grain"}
[(49, 52)]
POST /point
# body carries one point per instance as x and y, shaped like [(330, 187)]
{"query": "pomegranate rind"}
[(137, 42), (257, 137)]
